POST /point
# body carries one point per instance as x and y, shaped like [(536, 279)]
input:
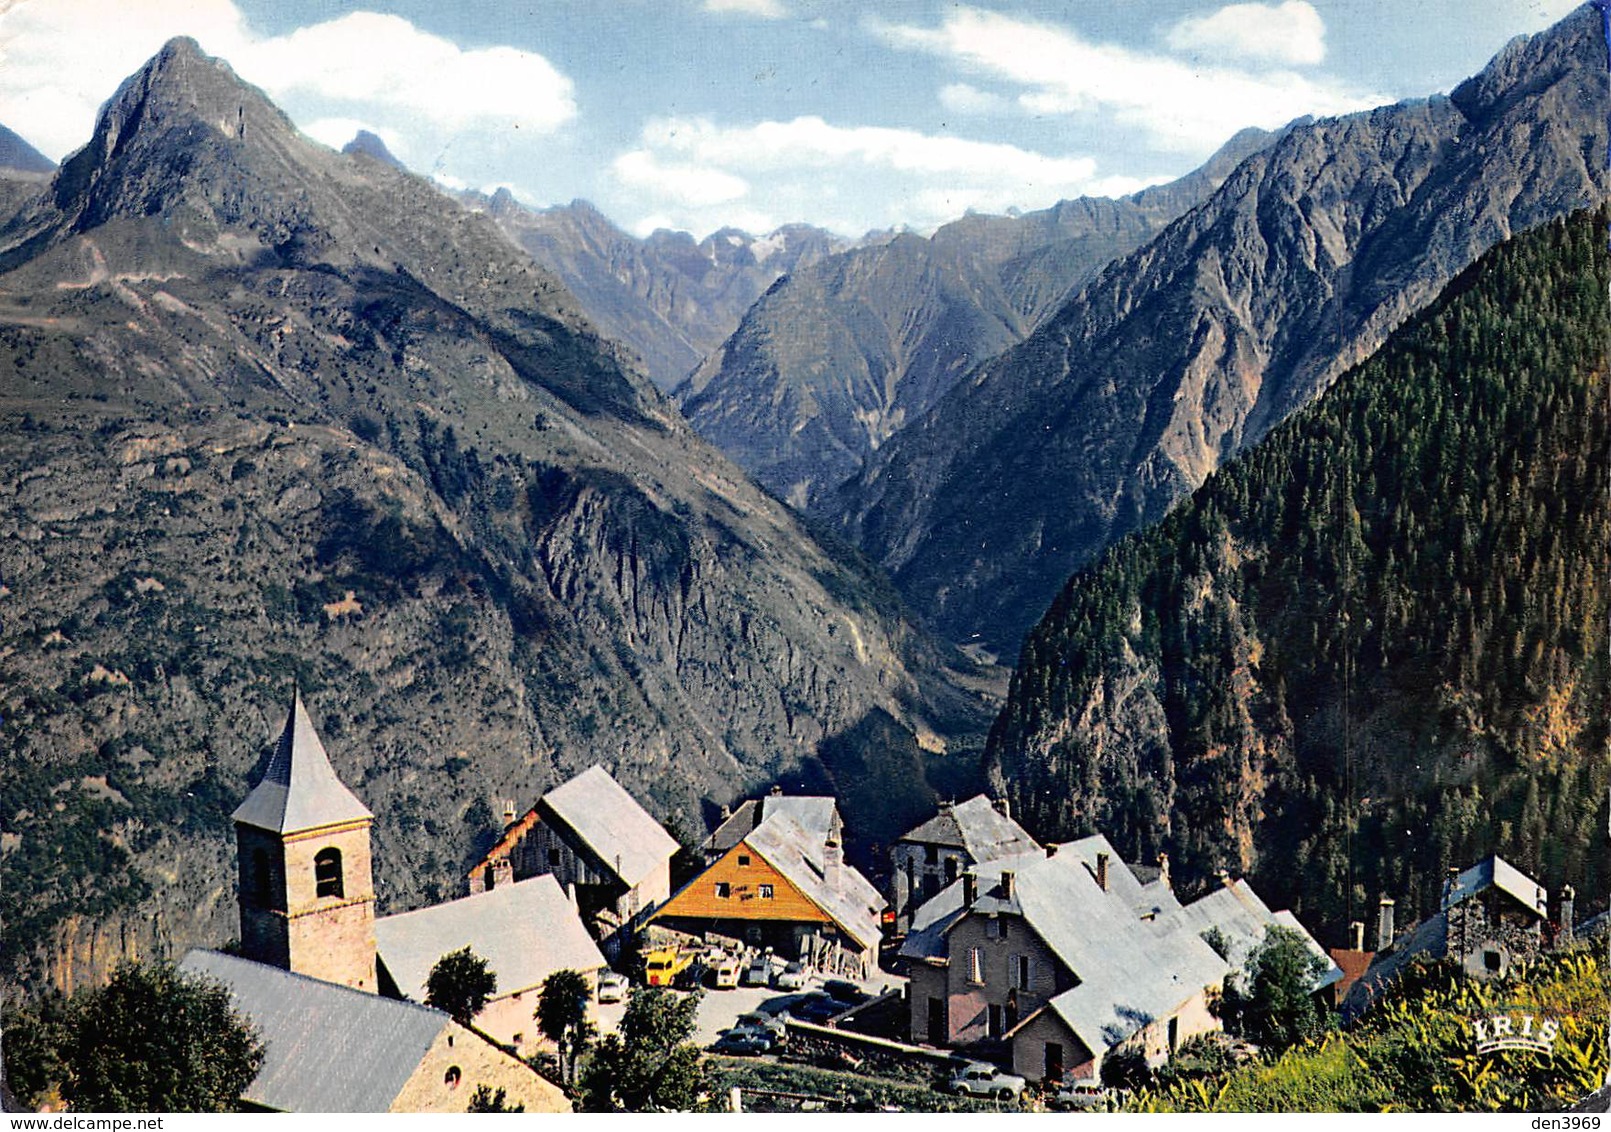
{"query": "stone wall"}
[(459, 1061)]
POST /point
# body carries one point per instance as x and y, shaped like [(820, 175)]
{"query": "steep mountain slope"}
[(1375, 645), (669, 298), (844, 352), (1235, 315), (24, 171), (272, 412)]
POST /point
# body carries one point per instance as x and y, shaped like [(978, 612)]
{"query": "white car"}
[(612, 987), (979, 1079), (791, 978), (758, 971), (1085, 1094)]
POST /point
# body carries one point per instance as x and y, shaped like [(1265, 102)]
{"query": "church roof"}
[(524, 931), (610, 823), (328, 1048), (299, 790)]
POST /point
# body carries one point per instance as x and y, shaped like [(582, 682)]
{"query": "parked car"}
[(1086, 1093), (980, 1079), (758, 971), (845, 991), (791, 978), (612, 987), (723, 970), (742, 1043), (773, 1025), (818, 1007)]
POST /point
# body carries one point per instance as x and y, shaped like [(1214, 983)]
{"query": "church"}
[(307, 976)]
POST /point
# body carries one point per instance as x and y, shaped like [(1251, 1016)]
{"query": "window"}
[(1491, 960), (723, 890), (976, 965), (327, 873), (993, 1027), (931, 854), (743, 860), (553, 858), (1020, 972), (766, 892), (950, 870), (993, 926)]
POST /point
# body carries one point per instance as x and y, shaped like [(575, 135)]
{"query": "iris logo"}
[(1515, 1031)]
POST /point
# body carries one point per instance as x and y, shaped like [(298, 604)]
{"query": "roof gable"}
[(978, 828), (853, 904), (328, 1048), (299, 790), (610, 824), (525, 932), (1498, 873)]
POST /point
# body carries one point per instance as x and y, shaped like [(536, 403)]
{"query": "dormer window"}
[(327, 873)]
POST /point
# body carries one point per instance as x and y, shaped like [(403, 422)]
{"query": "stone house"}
[(525, 931), (1054, 959), (333, 1048), (936, 853), (592, 837), (817, 814)]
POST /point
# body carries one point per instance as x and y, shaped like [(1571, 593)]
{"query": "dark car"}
[(818, 1007), (743, 1042), (844, 991)]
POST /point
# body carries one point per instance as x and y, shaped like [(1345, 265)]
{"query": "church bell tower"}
[(307, 894)]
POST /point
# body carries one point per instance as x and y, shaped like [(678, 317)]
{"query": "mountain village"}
[(1009, 969)]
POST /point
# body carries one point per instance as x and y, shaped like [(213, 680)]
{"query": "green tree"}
[(35, 1035), (1277, 1009), (648, 1065), (562, 1017), (460, 984), (485, 1100), (157, 1040)]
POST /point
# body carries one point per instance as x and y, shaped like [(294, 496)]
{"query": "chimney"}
[(1006, 885), (1356, 935), (1102, 871), (777, 791), (1224, 876), (1163, 871), (508, 812), (1384, 924), (1564, 913), (1051, 851), (833, 861), (970, 889), (1006, 808)]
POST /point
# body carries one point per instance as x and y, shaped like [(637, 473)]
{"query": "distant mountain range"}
[(276, 414), (844, 352), (1194, 345), (668, 298)]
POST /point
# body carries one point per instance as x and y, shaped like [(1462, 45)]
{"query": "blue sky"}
[(698, 113)]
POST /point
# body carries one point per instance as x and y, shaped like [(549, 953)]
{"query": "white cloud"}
[(848, 178), (1177, 106), (961, 98), (766, 9), (337, 132), (684, 184), (1292, 33), (60, 59)]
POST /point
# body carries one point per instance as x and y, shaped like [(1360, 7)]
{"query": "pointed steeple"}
[(299, 790)]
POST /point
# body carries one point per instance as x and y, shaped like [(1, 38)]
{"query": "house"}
[(933, 855), (785, 887), (1234, 918), (592, 837), (329, 1047), (1491, 915), (815, 813), (1056, 959), (525, 931)]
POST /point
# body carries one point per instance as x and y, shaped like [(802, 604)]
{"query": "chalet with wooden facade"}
[(602, 847), (936, 853), (785, 887)]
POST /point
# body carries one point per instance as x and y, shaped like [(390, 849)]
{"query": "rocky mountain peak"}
[(366, 144), (16, 155)]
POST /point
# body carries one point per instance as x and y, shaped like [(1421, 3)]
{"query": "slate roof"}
[(1131, 971), (328, 1048), (610, 823), (525, 932), (1154, 898), (299, 789), (814, 812), (797, 853), (1236, 911), (977, 828), (1496, 872)]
